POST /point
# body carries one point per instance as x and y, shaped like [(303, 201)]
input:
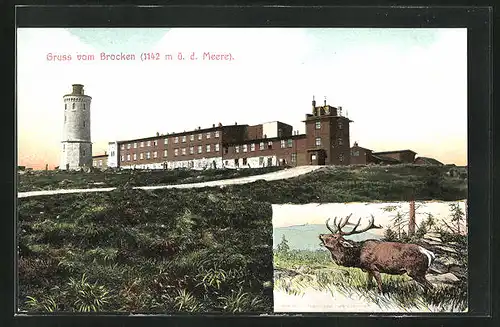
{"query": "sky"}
[(403, 88)]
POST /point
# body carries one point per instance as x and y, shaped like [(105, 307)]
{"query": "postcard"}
[(231, 170)]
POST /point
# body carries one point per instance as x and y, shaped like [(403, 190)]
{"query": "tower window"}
[(341, 157), (84, 123), (340, 124), (340, 141), (318, 141), (289, 143), (84, 106), (73, 105), (83, 152), (318, 125), (65, 106), (65, 118)]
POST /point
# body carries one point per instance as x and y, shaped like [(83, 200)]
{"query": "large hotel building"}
[(326, 142)]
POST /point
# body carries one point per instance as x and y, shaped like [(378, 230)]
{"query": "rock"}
[(433, 235), (432, 239), (446, 261), (431, 242), (459, 271), (446, 249), (447, 278)]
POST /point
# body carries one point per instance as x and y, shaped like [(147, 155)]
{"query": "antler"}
[(371, 225), (339, 225)]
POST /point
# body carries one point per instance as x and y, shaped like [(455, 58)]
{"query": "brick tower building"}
[(327, 136)]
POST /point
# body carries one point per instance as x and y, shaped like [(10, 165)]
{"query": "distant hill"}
[(305, 237)]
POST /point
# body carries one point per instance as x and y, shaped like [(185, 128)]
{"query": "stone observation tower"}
[(76, 148)]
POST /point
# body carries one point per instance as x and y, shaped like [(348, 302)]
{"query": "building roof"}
[(429, 161), (387, 159), (395, 151), (100, 156), (196, 131), (356, 146)]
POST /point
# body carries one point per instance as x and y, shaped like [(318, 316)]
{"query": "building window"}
[(123, 147), (183, 151), (142, 144), (244, 161), (318, 141), (191, 150), (237, 149), (155, 143), (294, 157), (208, 135), (176, 139), (200, 148), (355, 153), (148, 155), (64, 147), (100, 161), (122, 158), (340, 141), (340, 124), (226, 150), (135, 145), (261, 161), (141, 155), (128, 157), (282, 144), (245, 148), (261, 145), (252, 147), (289, 143), (217, 147), (341, 157), (208, 147), (165, 141), (318, 125), (165, 152), (155, 154), (216, 133), (84, 109), (83, 152), (65, 106), (149, 143), (135, 156), (95, 164), (84, 123), (200, 136), (184, 139), (112, 153), (128, 146), (270, 144), (73, 106), (176, 152), (191, 137)]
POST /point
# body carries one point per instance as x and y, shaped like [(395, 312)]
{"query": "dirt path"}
[(282, 174)]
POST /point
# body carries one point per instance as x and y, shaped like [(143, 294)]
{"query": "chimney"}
[(213, 125), (340, 111), (199, 127), (105, 152), (157, 133), (325, 100), (235, 123), (220, 125), (314, 102)]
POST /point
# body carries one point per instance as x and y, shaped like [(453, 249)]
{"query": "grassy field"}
[(305, 270), (360, 184), (50, 180), (139, 251)]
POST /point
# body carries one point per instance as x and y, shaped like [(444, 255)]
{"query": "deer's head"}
[(336, 241)]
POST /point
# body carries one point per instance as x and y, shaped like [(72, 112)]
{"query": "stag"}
[(374, 256)]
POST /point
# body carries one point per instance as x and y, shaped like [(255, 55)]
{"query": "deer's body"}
[(375, 257)]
